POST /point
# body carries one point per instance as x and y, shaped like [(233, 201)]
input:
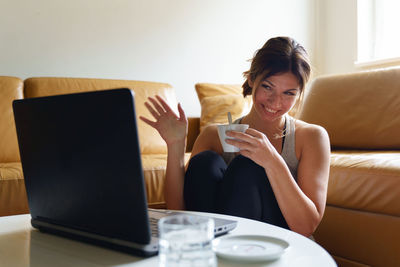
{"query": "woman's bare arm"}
[(173, 129), (302, 203)]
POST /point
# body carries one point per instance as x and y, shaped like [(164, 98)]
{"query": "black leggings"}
[(241, 189)]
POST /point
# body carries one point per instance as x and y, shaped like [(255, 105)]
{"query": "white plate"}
[(249, 247)]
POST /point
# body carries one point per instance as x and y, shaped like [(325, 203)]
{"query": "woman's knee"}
[(243, 168), (207, 163), (204, 170), (202, 180), (204, 158)]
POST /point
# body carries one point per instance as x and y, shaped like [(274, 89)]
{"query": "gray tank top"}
[(288, 150)]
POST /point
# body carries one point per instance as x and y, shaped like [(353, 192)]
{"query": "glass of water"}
[(186, 240)]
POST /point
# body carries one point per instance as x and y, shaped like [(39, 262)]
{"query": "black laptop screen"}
[(81, 161)]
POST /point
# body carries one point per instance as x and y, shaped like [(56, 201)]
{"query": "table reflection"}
[(36, 249)]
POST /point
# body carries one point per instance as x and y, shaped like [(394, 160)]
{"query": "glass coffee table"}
[(22, 245)]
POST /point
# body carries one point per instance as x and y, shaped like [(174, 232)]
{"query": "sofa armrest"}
[(193, 132)]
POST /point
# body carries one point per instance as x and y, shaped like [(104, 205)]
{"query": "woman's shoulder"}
[(308, 132), (308, 128)]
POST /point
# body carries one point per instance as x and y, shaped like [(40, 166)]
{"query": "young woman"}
[(280, 175)]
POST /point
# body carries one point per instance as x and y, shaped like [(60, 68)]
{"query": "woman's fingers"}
[(247, 140), (254, 132), (157, 106), (155, 114), (182, 115), (169, 110), (244, 137), (164, 104), (249, 135), (149, 122), (240, 144)]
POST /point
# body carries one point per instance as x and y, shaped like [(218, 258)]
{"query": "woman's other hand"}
[(172, 128), (253, 145)]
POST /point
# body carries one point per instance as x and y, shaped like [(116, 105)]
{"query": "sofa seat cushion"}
[(13, 199), (12, 190), (154, 167), (366, 181)]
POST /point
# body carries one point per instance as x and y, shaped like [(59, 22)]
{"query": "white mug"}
[(222, 128)]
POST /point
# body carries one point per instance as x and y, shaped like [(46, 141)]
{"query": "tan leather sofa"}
[(361, 112)]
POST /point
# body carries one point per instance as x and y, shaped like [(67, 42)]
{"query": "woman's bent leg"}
[(202, 178), (245, 191)]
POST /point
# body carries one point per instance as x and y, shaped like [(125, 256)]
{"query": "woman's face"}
[(275, 96)]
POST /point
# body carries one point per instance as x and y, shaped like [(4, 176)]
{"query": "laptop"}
[(83, 174)]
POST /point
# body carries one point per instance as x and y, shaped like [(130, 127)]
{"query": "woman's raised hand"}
[(171, 127)]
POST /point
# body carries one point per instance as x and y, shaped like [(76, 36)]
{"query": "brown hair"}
[(279, 55)]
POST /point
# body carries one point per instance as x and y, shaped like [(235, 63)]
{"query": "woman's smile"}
[(269, 110)]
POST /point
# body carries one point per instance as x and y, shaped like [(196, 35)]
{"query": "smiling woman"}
[(280, 173)]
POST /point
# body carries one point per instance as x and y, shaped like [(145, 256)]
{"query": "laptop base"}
[(142, 250)]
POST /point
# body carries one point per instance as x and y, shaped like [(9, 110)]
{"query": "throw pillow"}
[(217, 100)]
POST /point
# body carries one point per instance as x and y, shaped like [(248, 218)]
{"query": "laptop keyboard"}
[(154, 226), (154, 216)]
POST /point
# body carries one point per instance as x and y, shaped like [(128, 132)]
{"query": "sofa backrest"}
[(359, 110), (150, 140), (10, 88)]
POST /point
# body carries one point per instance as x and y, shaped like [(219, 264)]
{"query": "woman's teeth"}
[(270, 110)]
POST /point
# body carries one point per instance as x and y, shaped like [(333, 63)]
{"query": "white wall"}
[(336, 39), (180, 42), (336, 36)]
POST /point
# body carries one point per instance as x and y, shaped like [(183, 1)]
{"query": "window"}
[(377, 27)]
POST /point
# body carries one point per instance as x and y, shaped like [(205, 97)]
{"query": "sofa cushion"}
[(13, 199), (10, 88), (359, 110), (360, 237), (12, 190), (154, 167), (217, 100), (366, 181), (150, 140), (214, 109), (213, 89)]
